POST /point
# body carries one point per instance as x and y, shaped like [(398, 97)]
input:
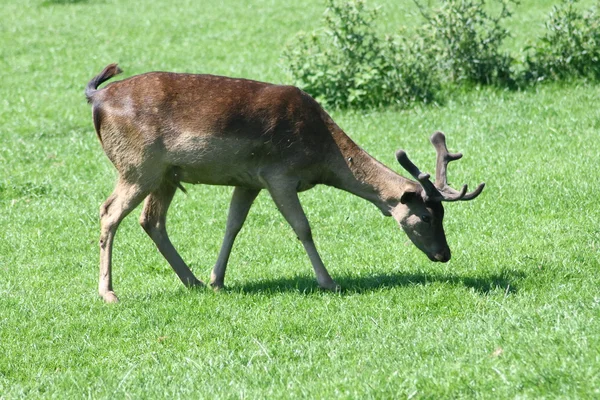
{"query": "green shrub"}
[(469, 40), (348, 65), (570, 48)]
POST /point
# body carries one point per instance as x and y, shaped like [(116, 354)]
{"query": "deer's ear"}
[(408, 196)]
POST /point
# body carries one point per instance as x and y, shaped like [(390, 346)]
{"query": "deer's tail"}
[(107, 73)]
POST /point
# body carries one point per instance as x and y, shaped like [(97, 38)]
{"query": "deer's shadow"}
[(484, 284)]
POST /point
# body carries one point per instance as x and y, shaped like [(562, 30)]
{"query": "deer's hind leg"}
[(241, 201), (124, 198), (153, 220)]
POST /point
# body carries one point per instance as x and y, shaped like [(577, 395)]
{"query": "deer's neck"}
[(355, 171)]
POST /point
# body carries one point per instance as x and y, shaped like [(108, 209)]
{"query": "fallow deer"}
[(163, 129)]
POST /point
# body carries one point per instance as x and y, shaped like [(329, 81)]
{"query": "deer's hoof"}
[(217, 286), (194, 283), (331, 287), (217, 282), (109, 297)]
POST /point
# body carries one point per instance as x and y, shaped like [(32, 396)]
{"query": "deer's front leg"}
[(286, 199), (241, 201)]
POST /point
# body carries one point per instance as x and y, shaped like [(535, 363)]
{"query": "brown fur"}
[(160, 129)]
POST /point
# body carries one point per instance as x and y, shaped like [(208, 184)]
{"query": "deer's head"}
[(420, 212)]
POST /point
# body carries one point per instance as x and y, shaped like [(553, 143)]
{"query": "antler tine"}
[(430, 190), (438, 140), (474, 193), (450, 194)]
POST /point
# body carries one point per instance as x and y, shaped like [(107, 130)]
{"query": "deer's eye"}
[(426, 219)]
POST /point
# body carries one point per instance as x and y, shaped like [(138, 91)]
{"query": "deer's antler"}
[(438, 140), (440, 191)]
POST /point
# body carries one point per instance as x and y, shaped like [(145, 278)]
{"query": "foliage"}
[(348, 65), (470, 40), (570, 48)]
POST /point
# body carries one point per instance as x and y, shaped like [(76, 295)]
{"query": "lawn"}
[(515, 313)]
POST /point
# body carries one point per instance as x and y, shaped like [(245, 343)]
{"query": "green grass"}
[(514, 314)]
